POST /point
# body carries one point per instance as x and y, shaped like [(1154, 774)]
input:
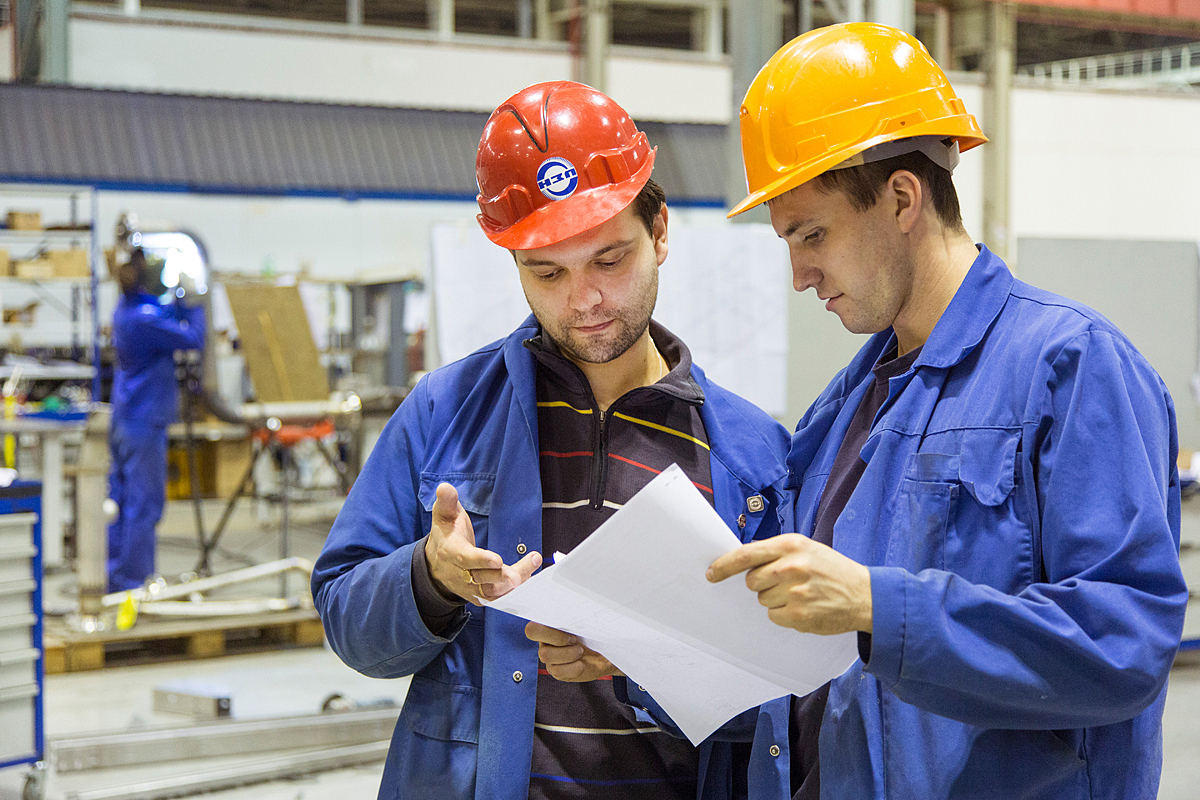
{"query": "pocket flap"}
[(442, 711), (474, 489), (988, 464)]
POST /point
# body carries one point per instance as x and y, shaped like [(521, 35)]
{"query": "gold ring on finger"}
[(467, 576)]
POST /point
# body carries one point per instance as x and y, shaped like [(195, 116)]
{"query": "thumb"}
[(527, 566), (445, 506), (447, 511)]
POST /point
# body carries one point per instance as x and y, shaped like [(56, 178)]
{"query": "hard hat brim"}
[(573, 215), (829, 160)]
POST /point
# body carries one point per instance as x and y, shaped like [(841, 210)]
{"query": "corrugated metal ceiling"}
[(157, 142)]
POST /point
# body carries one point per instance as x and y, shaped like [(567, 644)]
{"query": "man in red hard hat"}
[(527, 446)]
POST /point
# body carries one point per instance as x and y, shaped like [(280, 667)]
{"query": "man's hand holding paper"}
[(704, 651)]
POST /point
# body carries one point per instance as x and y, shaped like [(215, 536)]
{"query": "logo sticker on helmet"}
[(557, 178)]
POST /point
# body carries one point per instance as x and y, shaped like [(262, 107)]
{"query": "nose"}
[(585, 294), (803, 275)]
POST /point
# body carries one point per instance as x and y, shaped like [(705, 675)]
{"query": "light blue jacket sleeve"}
[(1091, 642), (361, 583)]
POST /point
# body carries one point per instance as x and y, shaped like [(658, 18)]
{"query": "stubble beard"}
[(628, 328)]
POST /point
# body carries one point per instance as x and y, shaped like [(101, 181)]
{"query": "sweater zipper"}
[(599, 465)]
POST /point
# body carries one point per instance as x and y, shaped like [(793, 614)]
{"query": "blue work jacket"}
[(1019, 514), (466, 729), (146, 335)]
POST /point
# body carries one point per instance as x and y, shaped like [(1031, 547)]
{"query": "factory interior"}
[(299, 174)]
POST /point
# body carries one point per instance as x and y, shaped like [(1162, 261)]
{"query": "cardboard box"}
[(21, 316), (52, 264), (24, 220), (71, 263), (37, 269), (5, 264)]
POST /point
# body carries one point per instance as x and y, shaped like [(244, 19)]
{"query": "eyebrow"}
[(597, 254), (795, 226)]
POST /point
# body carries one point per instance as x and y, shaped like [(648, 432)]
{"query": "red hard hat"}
[(557, 159)]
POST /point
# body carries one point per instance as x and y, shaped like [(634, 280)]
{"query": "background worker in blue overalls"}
[(146, 333)]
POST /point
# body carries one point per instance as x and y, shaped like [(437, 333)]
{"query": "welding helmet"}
[(557, 159), (842, 95), (144, 272)]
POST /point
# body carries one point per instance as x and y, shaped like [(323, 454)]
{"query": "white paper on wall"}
[(723, 289), (476, 293)]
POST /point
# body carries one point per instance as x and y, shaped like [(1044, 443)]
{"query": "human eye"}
[(610, 262), (547, 276), (815, 236)]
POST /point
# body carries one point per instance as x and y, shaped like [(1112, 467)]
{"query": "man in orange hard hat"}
[(527, 446), (987, 492)]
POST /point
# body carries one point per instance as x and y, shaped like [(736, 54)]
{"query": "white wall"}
[(1102, 165), (1106, 165), (380, 67)]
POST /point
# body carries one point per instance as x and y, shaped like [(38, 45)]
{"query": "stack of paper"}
[(635, 592)]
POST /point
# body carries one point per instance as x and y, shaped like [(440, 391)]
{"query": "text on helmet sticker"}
[(557, 178)]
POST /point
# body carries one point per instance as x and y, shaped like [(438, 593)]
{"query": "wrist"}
[(427, 566), (866, 607)]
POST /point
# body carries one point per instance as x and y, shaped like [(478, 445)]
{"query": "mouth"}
[(830, 301), (591, 329)]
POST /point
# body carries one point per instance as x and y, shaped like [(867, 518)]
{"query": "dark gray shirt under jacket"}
[(848, 467), (586, 742)]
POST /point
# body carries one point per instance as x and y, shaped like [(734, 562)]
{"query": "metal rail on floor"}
[(225, 738), (240, 774)]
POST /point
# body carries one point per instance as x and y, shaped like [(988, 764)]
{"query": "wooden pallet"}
[(160, 640)]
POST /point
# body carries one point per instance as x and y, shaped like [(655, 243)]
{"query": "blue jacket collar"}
[(970, 314)]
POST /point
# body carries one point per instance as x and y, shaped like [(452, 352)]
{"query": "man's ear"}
[(908, 195), (658, 233)]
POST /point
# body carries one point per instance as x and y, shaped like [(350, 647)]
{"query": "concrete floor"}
[(297, 681)]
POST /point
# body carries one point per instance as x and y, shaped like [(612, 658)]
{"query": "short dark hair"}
[(862, 185), (648, 203)]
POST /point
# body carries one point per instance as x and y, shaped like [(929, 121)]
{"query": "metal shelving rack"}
[(80, 198)]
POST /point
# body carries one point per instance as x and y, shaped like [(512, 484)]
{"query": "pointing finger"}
[(752, 555)]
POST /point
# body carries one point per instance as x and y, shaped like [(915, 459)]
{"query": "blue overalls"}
[(146, 335)]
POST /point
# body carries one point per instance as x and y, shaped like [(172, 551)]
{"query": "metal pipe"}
[(298, 410), (215, 582), (219, 608)]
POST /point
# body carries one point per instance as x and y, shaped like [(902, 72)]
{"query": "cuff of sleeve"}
[(886, 643), (438, 611)]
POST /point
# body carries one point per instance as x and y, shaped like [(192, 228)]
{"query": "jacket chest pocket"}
[(961, 510), (474, 494)]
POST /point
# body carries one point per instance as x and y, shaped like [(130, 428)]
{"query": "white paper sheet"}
[(635, 591)]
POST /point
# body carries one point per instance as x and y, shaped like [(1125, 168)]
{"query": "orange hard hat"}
[(837, 91), (557, 159)]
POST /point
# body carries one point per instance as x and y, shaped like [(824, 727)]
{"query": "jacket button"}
[(774, 751), (521, 549), (756, 503), (741, 520), (518, 677)]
